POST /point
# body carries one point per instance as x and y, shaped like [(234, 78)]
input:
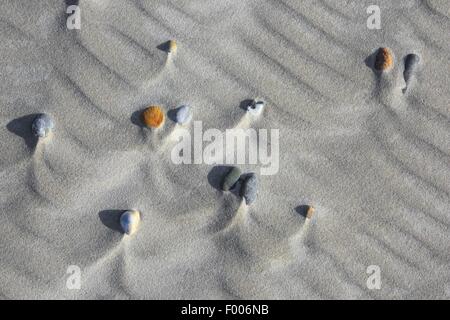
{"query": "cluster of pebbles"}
[(384, 62), (249, 184), (154, 117)]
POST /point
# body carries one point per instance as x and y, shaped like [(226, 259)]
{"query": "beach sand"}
[(372, 160)]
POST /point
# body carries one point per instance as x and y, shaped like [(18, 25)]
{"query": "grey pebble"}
[(129, 221), (249, 189), (42, 125), (411, 63), (231, 178)]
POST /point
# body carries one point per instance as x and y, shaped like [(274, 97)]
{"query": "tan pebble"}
[(310, 212), (172, 47)]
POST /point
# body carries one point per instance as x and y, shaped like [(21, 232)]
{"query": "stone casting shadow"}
[(136, 118), (302, 210), (245, 103), (217, 175), (164, 46), (22, 127), (172, 114), (111, 219)]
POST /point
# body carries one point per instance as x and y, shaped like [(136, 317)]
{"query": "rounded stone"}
[(129, 221), (231, 178), (153, 117), (42, 125), (183, 115), (384, 60), (249, 189)]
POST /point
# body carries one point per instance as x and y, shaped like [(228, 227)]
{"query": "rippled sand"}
[(373, 161)]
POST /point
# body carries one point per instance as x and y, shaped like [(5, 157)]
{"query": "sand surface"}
[(373, 161)]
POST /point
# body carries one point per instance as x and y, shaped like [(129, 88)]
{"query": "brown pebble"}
[(383, 60), (153, 117), (310, 212)]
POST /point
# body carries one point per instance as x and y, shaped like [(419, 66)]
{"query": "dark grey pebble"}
[(249, 188), (411, 63)]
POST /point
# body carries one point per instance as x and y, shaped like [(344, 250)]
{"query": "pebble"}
[(384, 60), (310, 212), (411, 63), (129, 221), (153, 117), (249, 189), (183, 115), (231, 178), (42, 125), (172, 46), (255, 108)]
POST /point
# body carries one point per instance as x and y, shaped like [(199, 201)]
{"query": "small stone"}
[(183, 115), (310, 212), (255, 108), (383, 60), (172, 46), (42, 125), (153, 117), (411, 63), (129, 221), (249, 189), (231, 178)]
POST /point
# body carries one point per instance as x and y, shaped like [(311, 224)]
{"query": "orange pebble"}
[(153, 117), (383, 60)]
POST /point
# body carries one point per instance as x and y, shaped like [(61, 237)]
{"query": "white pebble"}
[(255, 108), (184, 115)]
